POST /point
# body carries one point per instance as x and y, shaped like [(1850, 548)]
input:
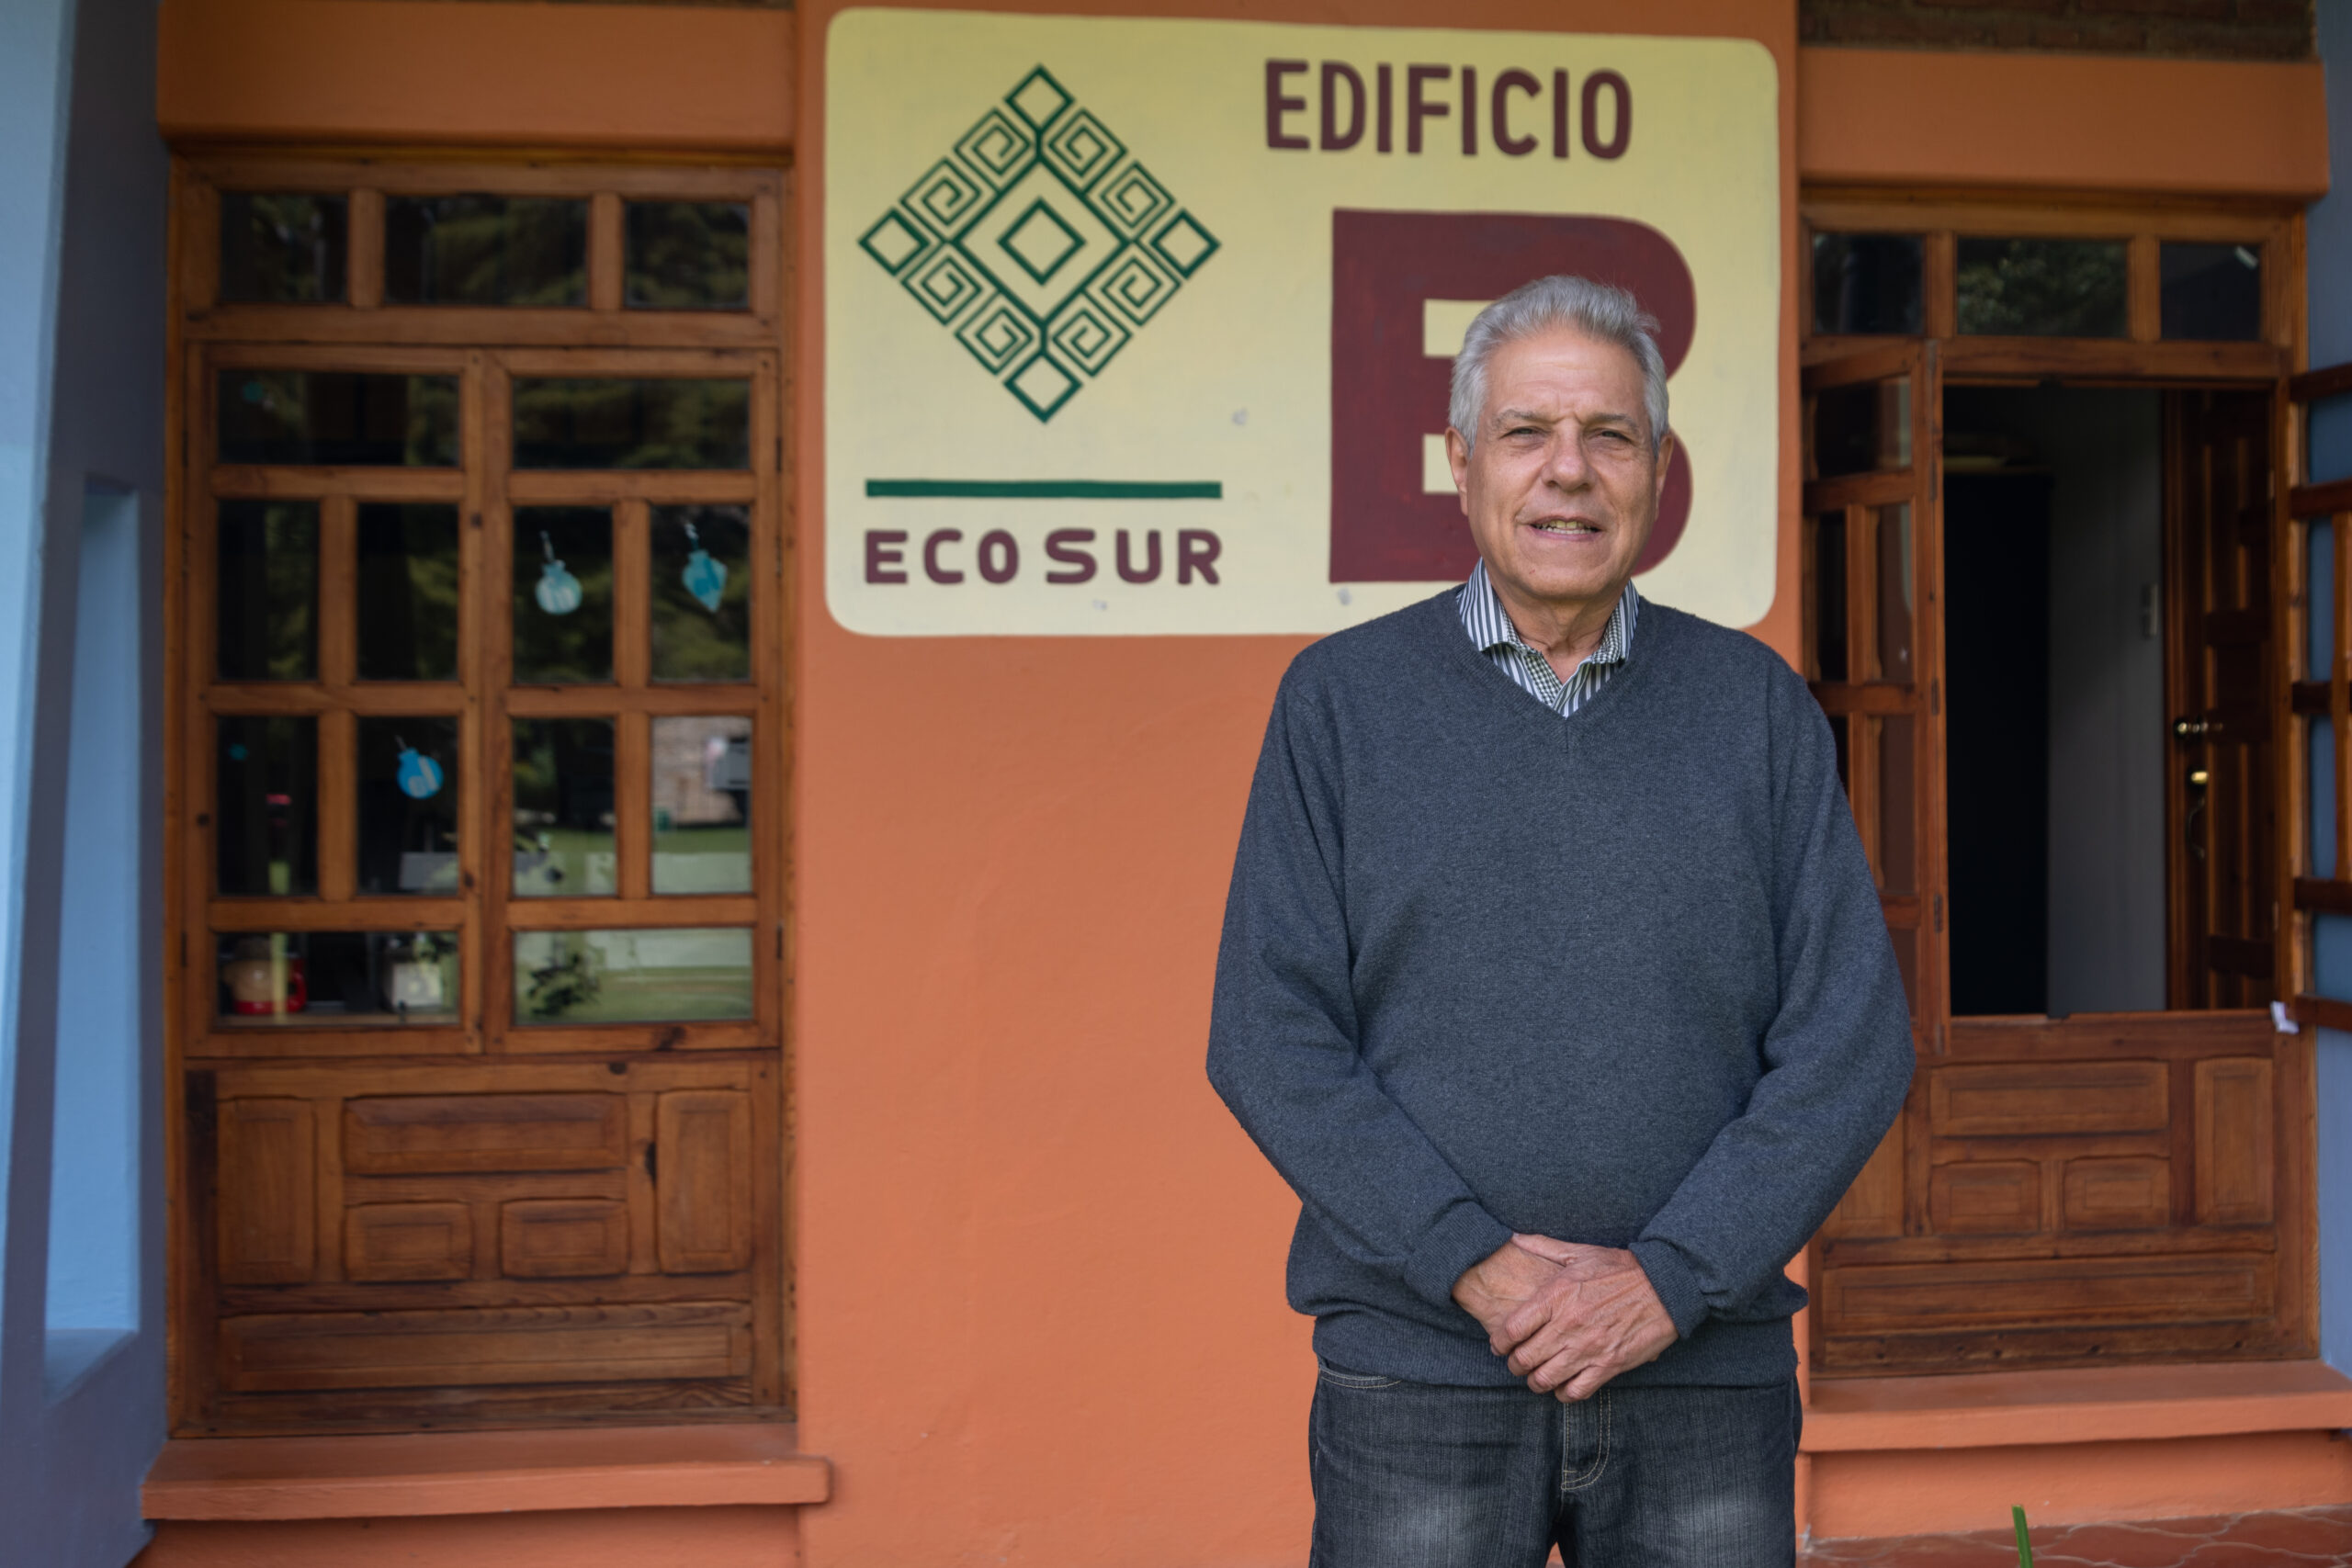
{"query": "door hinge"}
[(1935, 698), (1938, 902)]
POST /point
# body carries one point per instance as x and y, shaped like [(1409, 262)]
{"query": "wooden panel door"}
[(2221, 787)]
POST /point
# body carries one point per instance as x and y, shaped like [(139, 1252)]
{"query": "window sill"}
[(2076, 1405), (482, 1472)]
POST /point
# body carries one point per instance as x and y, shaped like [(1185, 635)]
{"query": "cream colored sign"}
[(1141, 326)]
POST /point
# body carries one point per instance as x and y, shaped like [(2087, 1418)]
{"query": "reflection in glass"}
[(609, 423), (688, 255), (318, 978), (408, 592), (338, 416), (702, 804), (2211, 292), (282, 248), (563, 808), (563, 595), (702, 594), (2320, 735), (266, 806), (2042, 287), (1894, 592), (633, 977), (1830, 596), (408, 805), (266, 625), (2319, 562), (1897, 861), (485, 249), (1862, 428), (1866, 283)]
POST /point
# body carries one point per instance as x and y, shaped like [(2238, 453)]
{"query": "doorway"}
[(2108, 754)]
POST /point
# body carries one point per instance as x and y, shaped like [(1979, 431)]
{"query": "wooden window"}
[(2108, 1186), (479, 754)]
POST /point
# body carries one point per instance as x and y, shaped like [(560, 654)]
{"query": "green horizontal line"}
[(1049, 490)]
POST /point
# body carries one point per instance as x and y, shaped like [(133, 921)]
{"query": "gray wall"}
[(83, 192)]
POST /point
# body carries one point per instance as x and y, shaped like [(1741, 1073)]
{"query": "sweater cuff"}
[(1462, 1237), (1677, 1287)]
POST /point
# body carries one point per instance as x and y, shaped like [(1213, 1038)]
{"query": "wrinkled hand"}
[(1595, 1317), (1499, 1284)]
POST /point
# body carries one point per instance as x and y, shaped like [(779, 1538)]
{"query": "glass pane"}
[(408, 592), (314, 978), (702, 804), (408, 805), (2319, 622), (576, 422), (338, 416), (1898, 852), (1894, 592), (632, 977), (1862, 429), (2042, 287), (1830, 596), (563, 808), (2320, 735), (279, 248), (1907, 960), (689, 255), (1866, 283), (268, 590), (1839, 737), (2211, 292), (266, 806), (702, 594), (563, 595), (485, 249)]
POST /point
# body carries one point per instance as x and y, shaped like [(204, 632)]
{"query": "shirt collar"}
[(1489, 626)]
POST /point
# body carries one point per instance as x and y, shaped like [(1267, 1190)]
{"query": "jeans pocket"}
[(1340, 1378)]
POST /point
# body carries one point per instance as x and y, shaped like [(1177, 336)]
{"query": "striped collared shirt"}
[(1492, 633)]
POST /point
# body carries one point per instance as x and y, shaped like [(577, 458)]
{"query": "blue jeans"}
[(1414, 1475)]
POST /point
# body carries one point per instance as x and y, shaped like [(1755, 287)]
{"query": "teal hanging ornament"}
[(705, 578), (419, 775), (558, 590)]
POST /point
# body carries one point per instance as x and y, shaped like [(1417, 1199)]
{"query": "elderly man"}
[(1555, 983)]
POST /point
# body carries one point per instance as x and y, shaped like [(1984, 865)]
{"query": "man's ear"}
[(1658, 472), (1457, 457)]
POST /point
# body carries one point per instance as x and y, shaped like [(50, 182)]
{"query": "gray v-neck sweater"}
[(1619, 978)]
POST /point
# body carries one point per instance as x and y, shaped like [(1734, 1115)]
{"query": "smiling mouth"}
[(1565, 527)]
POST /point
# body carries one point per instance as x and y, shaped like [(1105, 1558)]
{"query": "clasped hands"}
[(1568, 1316)]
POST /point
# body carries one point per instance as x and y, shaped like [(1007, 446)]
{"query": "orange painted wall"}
[(635, 1538), (1039, 1268), (1972, 1489)]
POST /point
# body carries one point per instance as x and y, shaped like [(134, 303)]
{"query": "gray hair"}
[(1599, 310)]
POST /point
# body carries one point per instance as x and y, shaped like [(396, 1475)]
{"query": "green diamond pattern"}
[(1041, 242)]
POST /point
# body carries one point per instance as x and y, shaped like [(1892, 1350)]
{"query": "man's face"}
[(1561, 488)]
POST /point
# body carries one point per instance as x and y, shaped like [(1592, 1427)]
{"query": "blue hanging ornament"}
[(419, 775), (705, 578), (558, 590)]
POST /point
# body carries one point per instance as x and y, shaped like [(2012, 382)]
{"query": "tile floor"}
[(2303, 1538)]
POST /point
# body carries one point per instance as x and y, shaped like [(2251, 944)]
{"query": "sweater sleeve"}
[(1837, 1057), (1283, 1030)]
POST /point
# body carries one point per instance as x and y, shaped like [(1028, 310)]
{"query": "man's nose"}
[(1565, 463)]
